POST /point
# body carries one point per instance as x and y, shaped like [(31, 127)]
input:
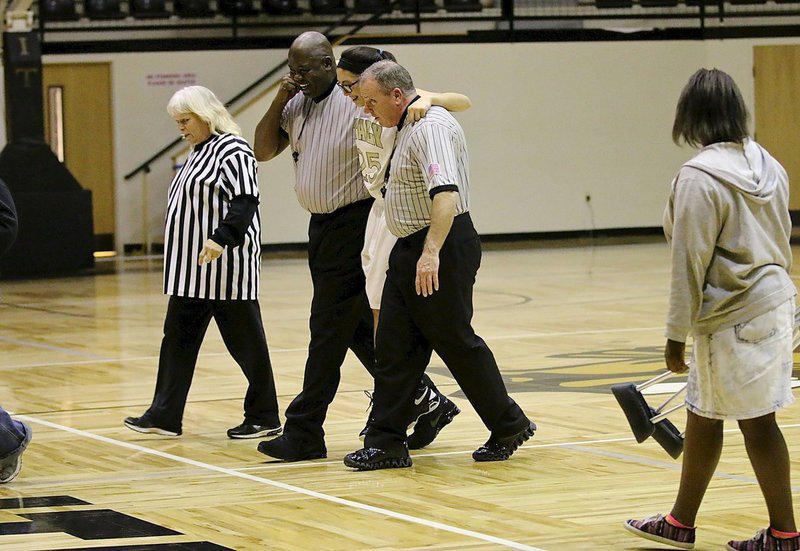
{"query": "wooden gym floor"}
[(565, 322)]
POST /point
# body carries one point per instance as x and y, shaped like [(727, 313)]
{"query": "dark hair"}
[(710, 110), (358, 58)]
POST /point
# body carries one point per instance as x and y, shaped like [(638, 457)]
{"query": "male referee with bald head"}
[(318, 125)]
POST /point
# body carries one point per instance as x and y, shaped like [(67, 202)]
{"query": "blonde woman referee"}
[(212, 255)]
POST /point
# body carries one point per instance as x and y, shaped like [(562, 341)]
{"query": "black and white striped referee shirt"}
[(215, 172), (430, 157), (322, 139)]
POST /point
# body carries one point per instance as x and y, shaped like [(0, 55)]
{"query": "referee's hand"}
[(211, 251), (427, 280), (288, 87)]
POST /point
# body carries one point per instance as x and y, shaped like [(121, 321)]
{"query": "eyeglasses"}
[(347, 86)]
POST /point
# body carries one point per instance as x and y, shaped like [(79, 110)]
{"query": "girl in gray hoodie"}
[(727, 222)]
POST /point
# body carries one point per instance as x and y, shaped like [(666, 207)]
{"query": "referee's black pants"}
[(340, 316), (412, 326), (239, 323)]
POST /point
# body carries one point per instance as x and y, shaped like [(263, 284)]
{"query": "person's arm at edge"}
[(696, 222), (8, 219), (452, 101), (449, 100)]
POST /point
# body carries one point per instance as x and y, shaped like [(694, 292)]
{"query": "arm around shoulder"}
[(452, 101)]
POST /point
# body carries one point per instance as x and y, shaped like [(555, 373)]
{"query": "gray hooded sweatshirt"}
[(727, 222)]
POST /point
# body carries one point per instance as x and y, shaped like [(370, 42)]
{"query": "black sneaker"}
[(500, 449), (372, 459), (246, 430), (290, 449), (363, 433), (430, 418), (143, 424)]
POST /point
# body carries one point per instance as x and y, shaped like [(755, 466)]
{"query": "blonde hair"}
[(202, 102)]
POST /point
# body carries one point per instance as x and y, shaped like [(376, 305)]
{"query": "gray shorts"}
[(744, 371)]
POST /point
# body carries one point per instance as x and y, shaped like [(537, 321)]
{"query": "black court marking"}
[(190, 546), (94, 525), (44, 501), (87, 525)]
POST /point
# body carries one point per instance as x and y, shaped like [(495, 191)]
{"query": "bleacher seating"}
[(236, 8), (328, 7), (410, 6), (280, 7), (372, 6), (103, 9), (58, 10), (148, 9), (193, 8), (462, 5)]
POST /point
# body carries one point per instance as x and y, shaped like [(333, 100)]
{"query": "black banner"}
[(22, 62)]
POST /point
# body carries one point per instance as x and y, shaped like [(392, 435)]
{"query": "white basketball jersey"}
[(375, 144)]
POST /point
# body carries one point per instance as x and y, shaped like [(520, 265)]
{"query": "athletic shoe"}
[(500, 449), (765, 541), (363, 433), (656, 528), (11, 465), (432, 412), (246, 430), (290, 449), (144, 424), (372, 459)]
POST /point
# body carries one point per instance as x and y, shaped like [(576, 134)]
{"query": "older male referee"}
[(427, 298)]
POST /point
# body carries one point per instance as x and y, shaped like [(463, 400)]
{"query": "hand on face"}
[(312, 73), (288, 86)]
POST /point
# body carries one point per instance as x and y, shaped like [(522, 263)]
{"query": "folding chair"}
[(646, 421)]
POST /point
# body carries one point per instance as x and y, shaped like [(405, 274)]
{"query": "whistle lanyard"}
[(307, 112), (388, 168)]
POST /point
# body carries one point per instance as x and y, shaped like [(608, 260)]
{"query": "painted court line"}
[(527, 446), (288, 487), (32, 344), (664, 464), (99, 359), (576, 445), (571, 333), (129, 359)]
